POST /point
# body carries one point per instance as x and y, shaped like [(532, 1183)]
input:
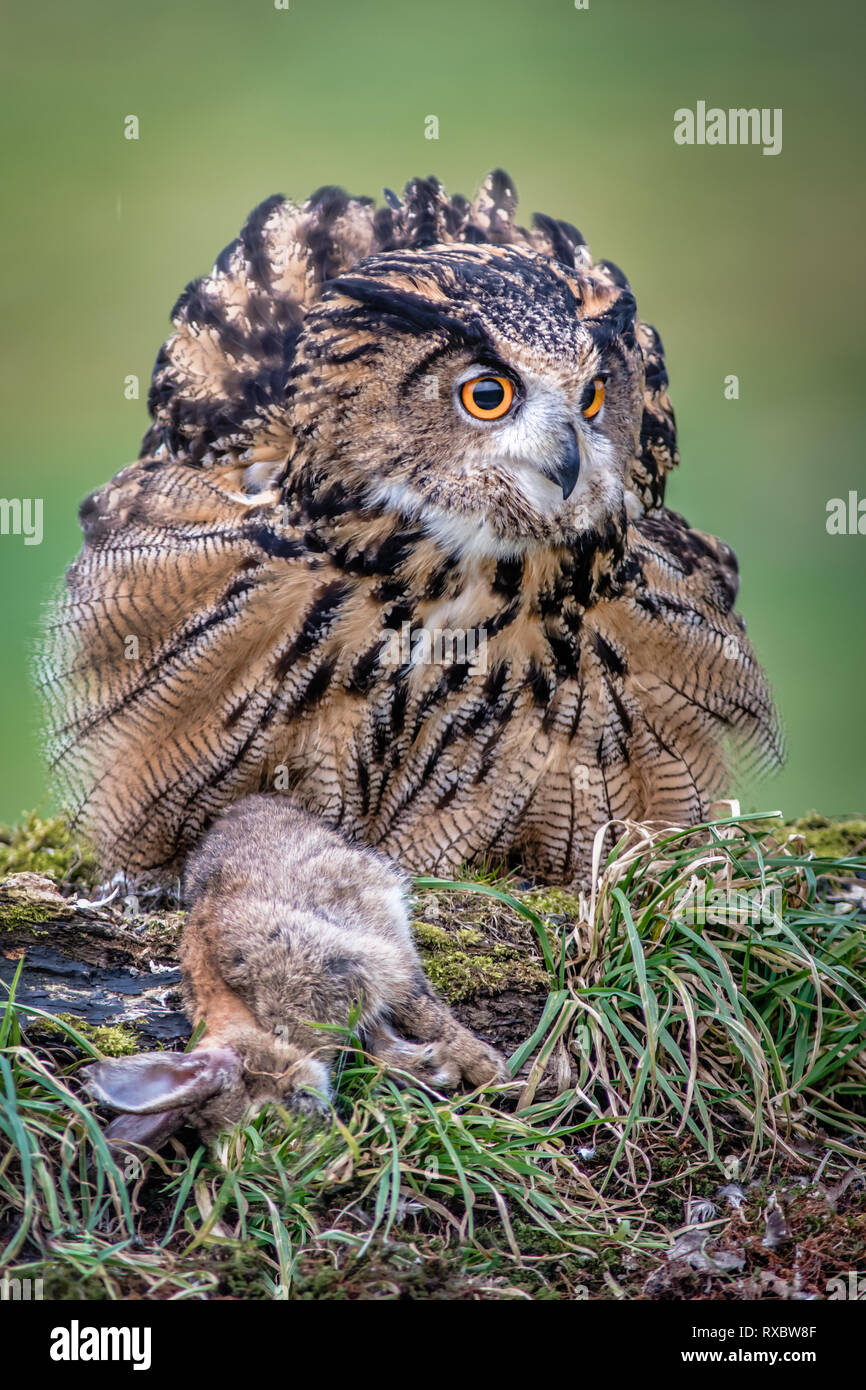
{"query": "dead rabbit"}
[(289, 926)]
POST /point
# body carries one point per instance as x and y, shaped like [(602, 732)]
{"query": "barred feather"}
[(225, 629)]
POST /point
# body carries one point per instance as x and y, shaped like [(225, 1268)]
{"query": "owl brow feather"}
[(410, 312), (485, 357)]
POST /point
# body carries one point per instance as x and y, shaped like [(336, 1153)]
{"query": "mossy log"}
[(113, 972), (114, 975), (91, 964)]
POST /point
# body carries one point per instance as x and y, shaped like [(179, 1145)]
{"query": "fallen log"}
[(114, 974)]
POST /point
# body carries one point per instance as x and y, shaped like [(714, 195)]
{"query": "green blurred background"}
[(747, 264)]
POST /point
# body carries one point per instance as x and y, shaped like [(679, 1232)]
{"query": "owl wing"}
[(685, 708), (163, 647)]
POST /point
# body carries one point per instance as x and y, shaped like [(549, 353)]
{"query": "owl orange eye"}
[(593, 398), (487, 397)]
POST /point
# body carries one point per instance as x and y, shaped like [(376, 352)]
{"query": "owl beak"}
[(566, 470)]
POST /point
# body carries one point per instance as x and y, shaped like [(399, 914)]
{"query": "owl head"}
[(491, 385)]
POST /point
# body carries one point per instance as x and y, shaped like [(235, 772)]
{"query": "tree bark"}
[(91, 962)]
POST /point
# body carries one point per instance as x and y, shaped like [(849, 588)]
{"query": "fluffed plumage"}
[(311, 485)]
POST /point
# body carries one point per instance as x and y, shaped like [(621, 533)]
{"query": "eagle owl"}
[(372, 428)]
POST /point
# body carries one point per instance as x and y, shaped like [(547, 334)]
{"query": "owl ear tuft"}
[(559, 240), (492, 212), (658, 452), (220, 384), (424, 214)]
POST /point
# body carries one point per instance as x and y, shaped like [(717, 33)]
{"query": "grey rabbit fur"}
[(289, 926)]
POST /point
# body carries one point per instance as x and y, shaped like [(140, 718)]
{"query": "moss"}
[(240, 1274), (419, 1269), (40, 846), (462, 964), (62, 1284), (826, 837), (830, 839), (28, 901), (111, 1039), (554, 902), (14, 916)]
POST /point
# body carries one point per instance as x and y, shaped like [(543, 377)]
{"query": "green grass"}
[(671, 1054)]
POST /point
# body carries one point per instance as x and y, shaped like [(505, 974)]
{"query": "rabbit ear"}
[(156, 1081), (150, 1131)]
